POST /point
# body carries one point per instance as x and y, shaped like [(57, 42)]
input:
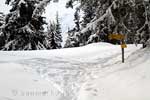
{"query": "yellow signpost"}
[(123, 46), (116, 36), (120, 37)]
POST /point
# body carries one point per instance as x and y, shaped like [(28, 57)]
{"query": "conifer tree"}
[(2, 17), (2, 22), (54, 37), (23, 29), (77, 19), (128, 17), (58, 35), (143, 34), (50, 40)]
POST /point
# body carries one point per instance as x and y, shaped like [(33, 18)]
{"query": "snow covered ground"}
[(92, 72), (128, 81)]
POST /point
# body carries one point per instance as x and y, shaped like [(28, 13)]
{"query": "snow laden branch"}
[(108, 13), (91, 25), (23, 28), (40, 8), (144, 31)]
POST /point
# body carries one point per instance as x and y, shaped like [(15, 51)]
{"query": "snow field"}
[(71, 73)]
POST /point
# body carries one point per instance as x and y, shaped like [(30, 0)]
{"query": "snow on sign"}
[(116, 36)]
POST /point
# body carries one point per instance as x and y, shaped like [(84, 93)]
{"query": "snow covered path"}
[(128, 81), (67, 70)]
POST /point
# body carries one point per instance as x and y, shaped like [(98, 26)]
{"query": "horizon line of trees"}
[(22, 28)]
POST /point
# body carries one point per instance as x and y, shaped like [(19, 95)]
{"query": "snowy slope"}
[(74, 74), (129, 81)]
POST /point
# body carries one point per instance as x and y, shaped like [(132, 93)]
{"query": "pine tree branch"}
[(90, 26), (40, 8)]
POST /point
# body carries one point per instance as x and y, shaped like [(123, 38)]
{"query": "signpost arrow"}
[(116, 36)]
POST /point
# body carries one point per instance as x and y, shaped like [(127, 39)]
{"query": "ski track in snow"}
[(68, 75)]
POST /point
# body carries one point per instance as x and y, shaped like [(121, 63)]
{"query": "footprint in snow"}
[(88, 89), (93, 91)]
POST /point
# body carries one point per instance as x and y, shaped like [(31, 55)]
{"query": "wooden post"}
[(122, 49), (120, 37), (122, 55)]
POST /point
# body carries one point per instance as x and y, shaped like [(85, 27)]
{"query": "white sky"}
[(3, 7), (66, 15)]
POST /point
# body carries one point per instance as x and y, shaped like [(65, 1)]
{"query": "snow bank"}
[(128, 81)]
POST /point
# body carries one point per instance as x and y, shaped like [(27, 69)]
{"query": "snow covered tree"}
[(77, 19), (69, 4), (2, 21), (105, 17), (50, 40), (54, 37), (72, 39), (89, 8), (143, 34), (58, 36), (23, 29)]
